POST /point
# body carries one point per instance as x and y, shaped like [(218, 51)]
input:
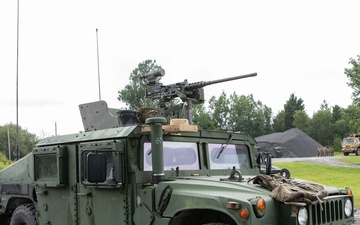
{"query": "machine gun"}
[(189, 93)]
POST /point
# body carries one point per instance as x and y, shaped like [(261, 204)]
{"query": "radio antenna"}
[(17, 86), (98, 64)]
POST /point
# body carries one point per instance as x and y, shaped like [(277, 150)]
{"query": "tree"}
[(341, 126), (324, 105), (301, 120), (279, 122), (219, 110), (202, 118), (249, 116), (292, 105), (337, 112), (240, 113), (27, 141), (321, 128), (134, 93), (351, 116), (353, 74)]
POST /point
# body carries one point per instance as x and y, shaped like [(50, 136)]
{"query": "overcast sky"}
[(299, 47)]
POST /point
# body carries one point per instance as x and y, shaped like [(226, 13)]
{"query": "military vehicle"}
[(276, 152), (122, 171), (351, 144)]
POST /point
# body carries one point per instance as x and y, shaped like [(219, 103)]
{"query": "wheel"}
[(346, 153), (24, 215), (285, 173), (357, 152)]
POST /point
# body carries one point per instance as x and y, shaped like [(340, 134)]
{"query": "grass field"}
[(336, 176)]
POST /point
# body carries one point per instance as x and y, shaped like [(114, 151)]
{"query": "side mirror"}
[(264, 161)]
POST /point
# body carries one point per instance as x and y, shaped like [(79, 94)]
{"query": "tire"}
[(24, 215), (357, 152), (346, 153), (285, 173)]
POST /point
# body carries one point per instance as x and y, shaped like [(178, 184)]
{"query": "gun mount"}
[(189, 93)]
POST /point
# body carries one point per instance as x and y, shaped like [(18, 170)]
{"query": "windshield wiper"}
[(222, 148)]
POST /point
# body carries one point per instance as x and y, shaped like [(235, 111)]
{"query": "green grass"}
[(351, 159), (336, 176)]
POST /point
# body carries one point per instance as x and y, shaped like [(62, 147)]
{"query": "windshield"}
[(231, 155), (176, 154), (349, 140)]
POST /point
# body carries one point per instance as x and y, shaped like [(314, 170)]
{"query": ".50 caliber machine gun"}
[(189, 93)]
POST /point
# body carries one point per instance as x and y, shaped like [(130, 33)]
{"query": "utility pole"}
[(9, 148)]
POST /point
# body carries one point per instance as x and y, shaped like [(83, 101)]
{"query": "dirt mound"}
[(294, 143)]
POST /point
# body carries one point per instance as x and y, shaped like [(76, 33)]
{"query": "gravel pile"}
[(294, 143)]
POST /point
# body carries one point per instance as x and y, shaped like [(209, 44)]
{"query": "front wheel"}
[(346, 153), (24, 215), (357, 152)]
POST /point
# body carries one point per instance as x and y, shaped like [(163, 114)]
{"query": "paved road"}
[(324, 160)]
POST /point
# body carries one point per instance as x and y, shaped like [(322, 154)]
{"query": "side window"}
[(50, 166), (227, 156), (101, 167), (176, 154), (46, 166)]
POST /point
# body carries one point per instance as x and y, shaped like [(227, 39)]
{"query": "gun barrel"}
[(205, 83)]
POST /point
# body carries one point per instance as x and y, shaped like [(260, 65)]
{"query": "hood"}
[(215, 193), (208, 192)]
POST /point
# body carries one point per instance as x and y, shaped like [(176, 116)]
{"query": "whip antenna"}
[(97, 48), (17, 86)]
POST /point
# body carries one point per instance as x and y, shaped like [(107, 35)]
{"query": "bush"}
[(4, 162)]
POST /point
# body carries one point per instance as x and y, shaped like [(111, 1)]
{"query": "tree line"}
[(9, 133)]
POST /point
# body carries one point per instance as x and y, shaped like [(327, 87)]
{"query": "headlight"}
[(259, 206), (302, 216), (348, 208)]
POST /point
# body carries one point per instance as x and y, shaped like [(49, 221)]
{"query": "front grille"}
[(327, 212)]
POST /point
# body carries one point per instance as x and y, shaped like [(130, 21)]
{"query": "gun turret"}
[(189, 93)]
